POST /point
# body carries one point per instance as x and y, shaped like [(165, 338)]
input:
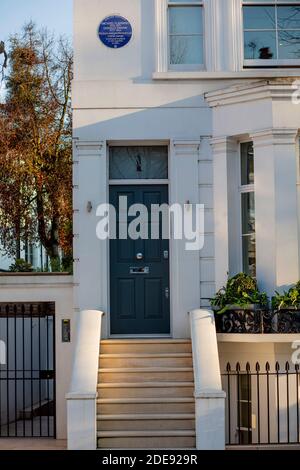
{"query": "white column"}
[(213, 37), (210, 398), (233, 35), (276, 208), (90, 254), (161, 33), (224, 149), (184, 265)]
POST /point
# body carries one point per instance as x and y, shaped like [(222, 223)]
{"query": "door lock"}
[(139, 256), (167, 292)]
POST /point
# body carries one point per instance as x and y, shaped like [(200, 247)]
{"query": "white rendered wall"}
[(117, 97)]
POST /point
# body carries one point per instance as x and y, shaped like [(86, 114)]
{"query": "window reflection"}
[(271, 31), (138, 162), (248, 208), (186, 33)]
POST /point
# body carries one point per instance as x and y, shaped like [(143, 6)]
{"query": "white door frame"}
[(92, 268), (136, 182)]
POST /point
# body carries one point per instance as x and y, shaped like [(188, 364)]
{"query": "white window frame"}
[(137, 182), (257, 63), (210, 32), (243, 189), (191, 3)]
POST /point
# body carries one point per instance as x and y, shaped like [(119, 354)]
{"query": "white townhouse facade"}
[(184, 102)]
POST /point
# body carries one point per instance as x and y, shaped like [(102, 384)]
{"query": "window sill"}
[(271, 63), (255, 73)]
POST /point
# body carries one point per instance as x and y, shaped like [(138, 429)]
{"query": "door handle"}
[(167, 292)]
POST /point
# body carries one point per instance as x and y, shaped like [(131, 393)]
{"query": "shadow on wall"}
[(188, 118)]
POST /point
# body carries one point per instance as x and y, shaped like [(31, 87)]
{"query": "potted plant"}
[(239, 306), (286, 307)]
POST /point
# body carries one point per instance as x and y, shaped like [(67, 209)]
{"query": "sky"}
[(56, 15)]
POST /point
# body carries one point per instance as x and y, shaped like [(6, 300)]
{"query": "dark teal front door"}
[(139, 271)]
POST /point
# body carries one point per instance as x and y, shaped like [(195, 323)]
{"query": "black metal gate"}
[(262, 404), (27, 370)]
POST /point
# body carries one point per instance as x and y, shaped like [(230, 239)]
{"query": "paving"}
[(32, 444)]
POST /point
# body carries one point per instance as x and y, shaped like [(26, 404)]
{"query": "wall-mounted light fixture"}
[(89, 207)]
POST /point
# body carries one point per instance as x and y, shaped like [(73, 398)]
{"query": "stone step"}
[(146, 422), (177, 439), (146, 360), (144, 346), (145, 405), (146, 374), (146, 390), (145, 394)]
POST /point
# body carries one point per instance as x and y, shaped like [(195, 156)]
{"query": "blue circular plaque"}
[(115, 31)]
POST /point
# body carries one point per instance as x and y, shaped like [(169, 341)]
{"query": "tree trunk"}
[(50, 241), (53, 250), (18, 240)]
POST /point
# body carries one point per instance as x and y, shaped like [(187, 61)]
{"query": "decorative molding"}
[(223, 144), (274, 136), (85, 146), (186, 143), (161, 33), (253, 91)]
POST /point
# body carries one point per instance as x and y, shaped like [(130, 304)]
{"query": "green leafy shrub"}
[(288, 299), (240, 290), (21, 266)]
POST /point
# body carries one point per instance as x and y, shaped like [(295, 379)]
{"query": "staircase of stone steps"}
[(145, 394)]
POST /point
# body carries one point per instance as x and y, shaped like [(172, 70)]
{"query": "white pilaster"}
[(161, 32), (224, 148), (184, 265), (212, 38), (276, 208), (233, 41), (90, 186)]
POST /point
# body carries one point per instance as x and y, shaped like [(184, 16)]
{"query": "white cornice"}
[(88, 148), (184, 143), (88, 143), (274, 136), (223, 144), (251, 91)]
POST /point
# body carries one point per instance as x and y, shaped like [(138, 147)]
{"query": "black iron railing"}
[(258, 321), (262, 404), (27, 369)]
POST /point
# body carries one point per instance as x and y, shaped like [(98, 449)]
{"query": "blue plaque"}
[(115, 32)]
